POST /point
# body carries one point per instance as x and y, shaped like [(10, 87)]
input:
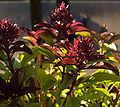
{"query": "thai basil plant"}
[(50, 66)]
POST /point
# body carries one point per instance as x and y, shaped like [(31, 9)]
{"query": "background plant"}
[(52, 69)]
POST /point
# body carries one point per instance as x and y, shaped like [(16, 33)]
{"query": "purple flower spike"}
[(8, 32), (61, 19)]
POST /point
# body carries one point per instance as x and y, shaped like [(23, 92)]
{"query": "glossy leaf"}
[(67, 80), (77, 27), (83, 33), (66, 61), (102, 77), (20, 46), (104, 91), (27, 72), (16, 63), (2, 66), (37, 50), (114, 38), (46, 35), (104, 65), (3, 56), (47, 80), (5, 75), (31, 40), (40, 25)]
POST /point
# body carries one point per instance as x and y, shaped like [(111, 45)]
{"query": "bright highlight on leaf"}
[(83, 33)]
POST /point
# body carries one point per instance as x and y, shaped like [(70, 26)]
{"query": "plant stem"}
[(71, 88), (10, 66), (116, 99)]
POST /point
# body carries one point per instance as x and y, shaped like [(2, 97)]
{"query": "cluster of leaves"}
[(50, 67)]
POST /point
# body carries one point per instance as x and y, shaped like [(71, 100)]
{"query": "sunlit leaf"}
[(31, 39), (47, 81), (83, 33), (102, 77), (104, 91), (43, 51), (37, 50)]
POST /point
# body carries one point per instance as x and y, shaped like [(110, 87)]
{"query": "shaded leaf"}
[(6, 75), (88, 96), (47, 80), (66, 61), (23, 48), (77, 27), (27, 72), (40, 25), (114, 38), (31, 40), (43, 51), (3, 56), (16, 63), (35, 104), (67, 80), (72, 102), (104, 65), (46, 35), (28, 31), (2, 66)]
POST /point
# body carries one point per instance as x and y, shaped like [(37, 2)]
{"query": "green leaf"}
[(102, 77), (16, 63), (68, 78), (2, 66), (31, 39), (104, 91), (35, 104), (72, 102), (27, 72), (50, 81), (46, 80), (3, 105), (45, 35), (88, 96), (37, 50), (3, 56), (43, 51), (6, 75), (83, 33)]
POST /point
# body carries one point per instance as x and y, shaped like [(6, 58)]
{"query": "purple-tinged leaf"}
[(66, 61), (28, 31), (23, 48), (31, 39), (46, 35), (114, 38), (77, 27), (104, 65), (40, 25)]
